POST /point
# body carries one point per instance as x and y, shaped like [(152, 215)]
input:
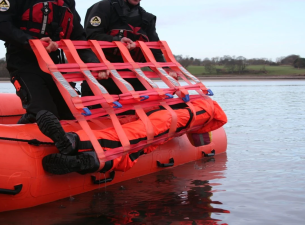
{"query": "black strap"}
[(45, 11), (103, 142), (30, 24), (30, 18), (136, 155), (108, 166), (30, 142)]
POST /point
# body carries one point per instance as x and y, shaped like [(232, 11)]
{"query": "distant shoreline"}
[(252, 77), (231, 77)]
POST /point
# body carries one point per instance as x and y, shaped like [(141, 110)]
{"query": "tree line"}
[(232, 64), (225, 64)]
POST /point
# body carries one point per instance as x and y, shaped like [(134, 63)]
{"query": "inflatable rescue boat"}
[(169, 127)]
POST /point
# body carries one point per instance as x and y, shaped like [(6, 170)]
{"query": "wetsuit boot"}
[(50, 126), (68, 160), (84, 162), (27, 118)]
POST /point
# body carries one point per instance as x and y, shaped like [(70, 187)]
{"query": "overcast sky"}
[(249, 28)]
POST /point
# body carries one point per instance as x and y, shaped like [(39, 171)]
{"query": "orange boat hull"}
[(24, 183)]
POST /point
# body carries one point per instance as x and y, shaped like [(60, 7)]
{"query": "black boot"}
[(49, 125), (84, 162), (27, 118)]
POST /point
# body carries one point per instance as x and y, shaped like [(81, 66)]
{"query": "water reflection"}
[(181, 195)]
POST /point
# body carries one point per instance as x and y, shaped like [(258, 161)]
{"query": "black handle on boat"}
[(213, 152), (171, 163), (103, 181), (17, 190)]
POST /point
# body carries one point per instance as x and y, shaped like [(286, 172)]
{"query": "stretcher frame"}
[(76, 70)]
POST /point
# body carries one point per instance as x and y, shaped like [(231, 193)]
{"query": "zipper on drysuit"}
[(68, 26)]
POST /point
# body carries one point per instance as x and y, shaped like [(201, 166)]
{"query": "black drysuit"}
[(110, 20), (38, 90)]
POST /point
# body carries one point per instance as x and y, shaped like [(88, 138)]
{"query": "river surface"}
[(260, 180)]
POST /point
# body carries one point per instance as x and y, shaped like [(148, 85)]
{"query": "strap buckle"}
[(169, 96), (144, 97), (186, 98), (210, 92), (117, 105), (86, 112)]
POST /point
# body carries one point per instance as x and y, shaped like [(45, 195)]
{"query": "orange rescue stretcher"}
[(177, 137)]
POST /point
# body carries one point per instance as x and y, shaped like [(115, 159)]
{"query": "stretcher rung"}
[(105, 44)]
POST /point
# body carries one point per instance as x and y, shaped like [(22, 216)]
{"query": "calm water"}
[(259, 181)]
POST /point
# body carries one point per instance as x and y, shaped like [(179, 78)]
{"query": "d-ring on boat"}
[(170, 126)]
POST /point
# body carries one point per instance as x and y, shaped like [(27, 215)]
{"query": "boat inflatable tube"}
[(24, 183)]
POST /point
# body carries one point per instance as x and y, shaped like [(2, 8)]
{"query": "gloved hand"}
[(53, 46), (172, 73), (130, 45), (104, 74)]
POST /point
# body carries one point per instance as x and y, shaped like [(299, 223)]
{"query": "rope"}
[(34, 142), (10, 115)]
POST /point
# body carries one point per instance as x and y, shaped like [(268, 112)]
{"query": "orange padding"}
[(161, 121)]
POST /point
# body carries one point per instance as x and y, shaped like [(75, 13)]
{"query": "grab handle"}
[(103, 181), (213, 152), (16, 190), (171, 163)]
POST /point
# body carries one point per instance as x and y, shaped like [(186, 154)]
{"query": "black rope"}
[(10, 115), (30, 142)]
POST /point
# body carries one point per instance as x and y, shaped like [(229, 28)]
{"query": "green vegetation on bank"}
[(251, 70), (291, 65), (231, 65)]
